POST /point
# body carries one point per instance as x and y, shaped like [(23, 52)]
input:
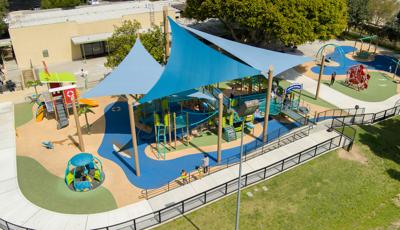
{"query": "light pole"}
[(248, 108)]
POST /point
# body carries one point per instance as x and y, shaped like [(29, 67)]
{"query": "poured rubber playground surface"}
[(380, 62), (156, 173)]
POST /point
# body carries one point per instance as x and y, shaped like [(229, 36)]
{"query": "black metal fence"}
[(368, 118), (276, 139), (330, 114), (229, 187)]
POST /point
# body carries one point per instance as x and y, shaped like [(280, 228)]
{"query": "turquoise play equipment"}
[(161, 138), (84, 173), (229, 133)]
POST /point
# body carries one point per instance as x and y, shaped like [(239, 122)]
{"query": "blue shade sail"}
[(193, 64), (136, 74), (256, 57)]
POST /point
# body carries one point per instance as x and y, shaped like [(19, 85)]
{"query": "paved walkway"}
[(337, 98), (15, 208)]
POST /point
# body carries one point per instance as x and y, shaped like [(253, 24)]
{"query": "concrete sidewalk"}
[(337, 98), (16, 209)]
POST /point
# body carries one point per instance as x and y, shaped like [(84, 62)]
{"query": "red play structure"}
[(357, 77)]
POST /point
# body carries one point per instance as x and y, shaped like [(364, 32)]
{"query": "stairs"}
[(229, 133), (62, 115), (161, 137), (28, 75)]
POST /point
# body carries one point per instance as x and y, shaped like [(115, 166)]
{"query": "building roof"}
[(136, 74), (91, 38), (83, 14), (193, 64)]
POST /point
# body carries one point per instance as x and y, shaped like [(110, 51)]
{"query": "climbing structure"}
[(357, 77)]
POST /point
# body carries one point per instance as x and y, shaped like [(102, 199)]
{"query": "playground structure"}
[(357, 77), (331, 52), (365, 54), (84, 173)]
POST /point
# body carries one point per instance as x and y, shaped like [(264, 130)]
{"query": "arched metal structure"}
[(338, 51)]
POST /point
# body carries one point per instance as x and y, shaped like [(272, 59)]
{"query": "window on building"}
[(45, 53)]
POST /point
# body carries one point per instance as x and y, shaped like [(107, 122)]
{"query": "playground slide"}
[(89, 102), (40, 112)]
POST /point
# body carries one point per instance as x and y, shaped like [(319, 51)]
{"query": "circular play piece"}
[(84, 173)]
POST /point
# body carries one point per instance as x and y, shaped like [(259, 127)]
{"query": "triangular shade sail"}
[(136, 74), (193, 64), (258, 58)]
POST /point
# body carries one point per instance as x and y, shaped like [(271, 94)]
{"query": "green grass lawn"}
[(23, 113), (50, 192), (326, 193), (380, 88), (310, 97)]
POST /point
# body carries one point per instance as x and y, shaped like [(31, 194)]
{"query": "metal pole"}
[(166, 33), (175, 128), (78, 125), (395, 71), (321, 71), (267, 105), (240, 178), (133, 131), (187, 127), (220, 114)]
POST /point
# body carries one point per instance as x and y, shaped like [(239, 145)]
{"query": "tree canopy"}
[(358, 12), (124, 37), (266, 21), (3, 13), (48, 4), (382, 11)]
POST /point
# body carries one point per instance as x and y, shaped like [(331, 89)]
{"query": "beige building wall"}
[(30, 42)]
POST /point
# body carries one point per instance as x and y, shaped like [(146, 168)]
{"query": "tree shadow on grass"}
[(383, 139), (191, 222), (394, 174)]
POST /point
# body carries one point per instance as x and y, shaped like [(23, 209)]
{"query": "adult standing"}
[(333, 78), (205, 163)]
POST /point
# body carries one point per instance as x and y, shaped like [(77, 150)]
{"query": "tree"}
[(34, 84), (264, 22), (358, 12), (85, 109), (124, 37), (48, 4), (382, 11), (3, 14)]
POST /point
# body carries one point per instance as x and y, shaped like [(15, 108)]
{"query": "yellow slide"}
[(89, 102), (40, 113)]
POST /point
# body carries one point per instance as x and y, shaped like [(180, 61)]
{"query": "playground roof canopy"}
[(256, 57), (65, 77), (193, 64), (81, 159), (136, 74)]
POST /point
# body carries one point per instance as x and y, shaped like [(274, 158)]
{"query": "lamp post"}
[(248, 108)]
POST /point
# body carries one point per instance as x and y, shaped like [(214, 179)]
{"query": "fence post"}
[(205, 197), (159, 216), (330, 145), (226, 188), (245, 181), (283, 162), (315, 150), (183, 207), (299, 158), (384, 116), (8, 227), (265, 172), (134, 224)]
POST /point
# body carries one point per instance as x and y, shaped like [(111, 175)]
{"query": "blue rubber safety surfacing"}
[(381, 62), (154, 173)]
